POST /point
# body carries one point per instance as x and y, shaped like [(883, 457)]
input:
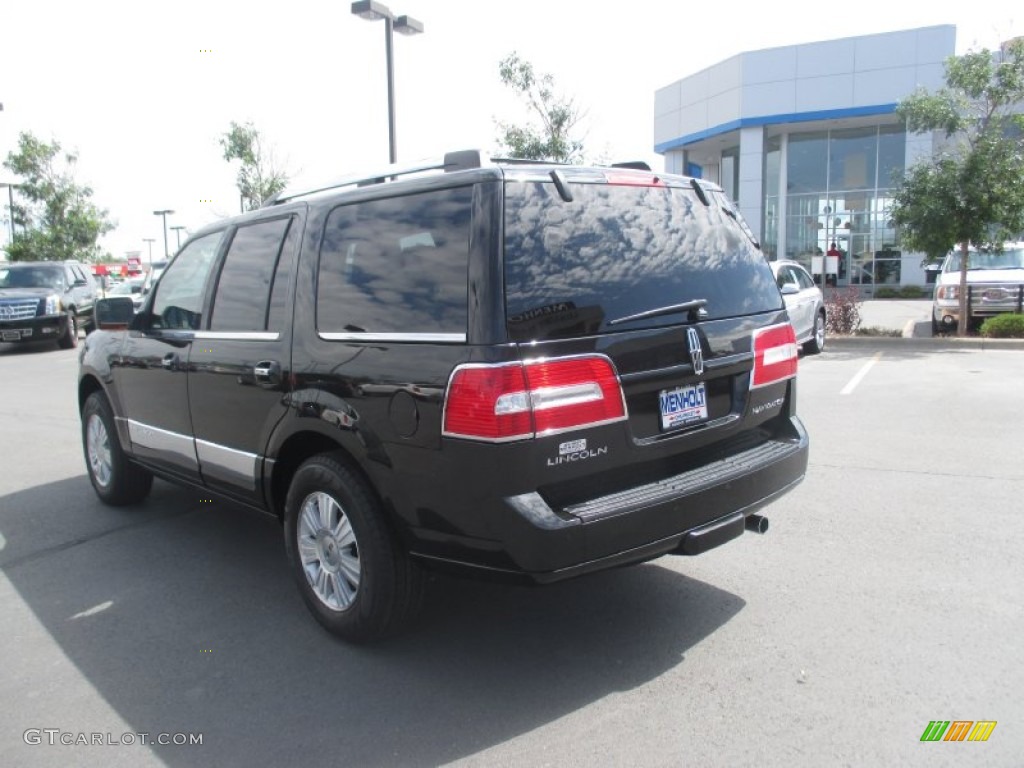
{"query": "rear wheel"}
[(352, 572), (117, 480), (68, 339), (817, 342)]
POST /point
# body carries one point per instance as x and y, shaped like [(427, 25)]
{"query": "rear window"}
[(616, 251)]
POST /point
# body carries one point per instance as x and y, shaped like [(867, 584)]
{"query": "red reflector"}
[(633, 179), (775, 355), (510, 402)]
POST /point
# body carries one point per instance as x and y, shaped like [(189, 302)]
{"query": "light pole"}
[(405, 25), (177, 231), (10, 205), (149, 241), (164, 214)]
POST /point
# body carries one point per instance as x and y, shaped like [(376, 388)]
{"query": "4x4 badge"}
[(696, 355)]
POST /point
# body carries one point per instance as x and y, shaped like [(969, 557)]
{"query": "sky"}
[(143, 91)]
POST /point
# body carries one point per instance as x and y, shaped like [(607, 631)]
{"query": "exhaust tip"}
[(756, 523)]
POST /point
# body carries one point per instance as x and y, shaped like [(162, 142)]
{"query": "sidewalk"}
[(912, 318)]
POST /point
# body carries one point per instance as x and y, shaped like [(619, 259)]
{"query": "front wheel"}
[(117, 480), (817, 342), (352, 573), (69, 338)]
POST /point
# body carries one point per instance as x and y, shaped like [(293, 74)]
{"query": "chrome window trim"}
[(440, 338)]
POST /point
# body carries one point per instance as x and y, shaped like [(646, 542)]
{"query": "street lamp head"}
[(407, 25), (161, 213), (371, 10)]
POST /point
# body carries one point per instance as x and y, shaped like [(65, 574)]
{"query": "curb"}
[(928, 343)]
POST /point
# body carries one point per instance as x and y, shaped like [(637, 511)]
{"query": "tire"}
[(817, 342), (116, 480), (69, 338), (352, 573)]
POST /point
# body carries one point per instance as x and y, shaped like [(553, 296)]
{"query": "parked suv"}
[(517, 370), (45, 301), (995, 285)]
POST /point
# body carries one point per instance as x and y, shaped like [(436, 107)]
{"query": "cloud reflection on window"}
[(623, 250)]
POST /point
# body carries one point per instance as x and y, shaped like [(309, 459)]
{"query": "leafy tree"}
[(259, 178), (558, 116), (970, 192), (55, 214)]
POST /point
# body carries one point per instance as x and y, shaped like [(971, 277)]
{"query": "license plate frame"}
[(683, 406)]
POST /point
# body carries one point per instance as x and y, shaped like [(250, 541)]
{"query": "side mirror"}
[(115, 313), (80, 283), (788, 289)]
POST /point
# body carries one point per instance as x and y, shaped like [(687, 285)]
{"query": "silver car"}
[(804, 302)]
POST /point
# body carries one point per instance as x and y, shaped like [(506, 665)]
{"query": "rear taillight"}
[(775, 355), (517, 401)]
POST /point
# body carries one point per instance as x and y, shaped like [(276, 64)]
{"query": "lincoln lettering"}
[(577, 456)]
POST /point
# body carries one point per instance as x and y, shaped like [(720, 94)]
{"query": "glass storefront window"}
[(807, 162), (730, 172), (892, 151), (851, 157), (849, 172)]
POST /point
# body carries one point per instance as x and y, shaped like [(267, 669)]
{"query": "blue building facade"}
[(806, 140)]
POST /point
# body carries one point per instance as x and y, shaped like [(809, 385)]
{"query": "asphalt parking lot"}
[(887, 594)]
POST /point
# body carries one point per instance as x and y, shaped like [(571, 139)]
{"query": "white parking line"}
[(860, 374)]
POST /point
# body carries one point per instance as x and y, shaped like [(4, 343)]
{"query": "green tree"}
[(557, 115), (55, 215), (970, 192), (258, 178)]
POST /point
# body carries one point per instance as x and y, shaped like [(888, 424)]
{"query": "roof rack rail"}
[(460, 160)]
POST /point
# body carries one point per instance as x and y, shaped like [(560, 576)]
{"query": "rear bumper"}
[(688, 513)]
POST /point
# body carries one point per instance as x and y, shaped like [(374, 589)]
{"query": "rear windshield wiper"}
[(693, 307)]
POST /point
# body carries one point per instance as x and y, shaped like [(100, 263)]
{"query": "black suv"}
[(519, 370), (46, 301)]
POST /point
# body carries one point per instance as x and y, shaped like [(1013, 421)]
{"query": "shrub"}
[(1003, 327), (886, 293), (911, 292), (874, 330), (842, 310)]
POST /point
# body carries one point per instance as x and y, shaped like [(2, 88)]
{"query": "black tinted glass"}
[(616, 251), (276, 314), (243, 289), (178, 303), (397, 265)]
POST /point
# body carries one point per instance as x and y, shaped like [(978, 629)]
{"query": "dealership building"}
[(806, 140)]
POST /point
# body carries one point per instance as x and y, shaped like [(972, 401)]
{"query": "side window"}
[(397, 265), (178, 303), (277, 311), (783, 276), (804, 279), (69, 277), (248, 276)]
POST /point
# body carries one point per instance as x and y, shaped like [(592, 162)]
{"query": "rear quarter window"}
[(614, 251), (396, 266)]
